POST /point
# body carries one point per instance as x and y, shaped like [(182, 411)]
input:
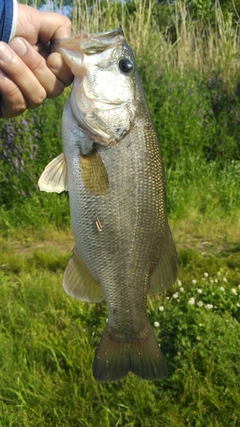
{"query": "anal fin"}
[(165, 272), (94, 174), (78, 282), (54, 177)]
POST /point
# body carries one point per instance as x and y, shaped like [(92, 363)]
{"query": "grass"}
[(47, 342), (201, 189)]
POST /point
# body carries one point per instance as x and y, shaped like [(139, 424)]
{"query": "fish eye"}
[(125, 65)]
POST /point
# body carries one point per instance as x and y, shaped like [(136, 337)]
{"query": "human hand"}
[(29, 73)]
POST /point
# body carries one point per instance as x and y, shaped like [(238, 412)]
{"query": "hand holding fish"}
[(29, 73)]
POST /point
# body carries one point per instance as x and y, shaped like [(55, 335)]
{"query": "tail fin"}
[(115, 358)]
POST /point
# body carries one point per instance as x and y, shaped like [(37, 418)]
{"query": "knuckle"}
[(21, 108), (14, 101), (11, 107), (7, 112), (66, 22), (58, 89), (64, 27), (38, 65), (37, 99)]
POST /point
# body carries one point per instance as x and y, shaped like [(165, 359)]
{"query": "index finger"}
[(35, 25), (54, 27)]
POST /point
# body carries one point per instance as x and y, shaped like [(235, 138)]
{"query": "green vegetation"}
[(47, 344), (190, 69)]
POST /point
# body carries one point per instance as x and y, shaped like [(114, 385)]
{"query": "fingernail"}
[(5, 52), (17, 44)]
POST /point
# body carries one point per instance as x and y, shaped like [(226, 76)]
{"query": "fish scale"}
[(123, 244)]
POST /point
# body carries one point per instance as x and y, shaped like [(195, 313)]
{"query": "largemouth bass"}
[(112, 168)]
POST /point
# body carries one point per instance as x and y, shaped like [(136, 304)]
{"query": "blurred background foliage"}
[(188, 58)]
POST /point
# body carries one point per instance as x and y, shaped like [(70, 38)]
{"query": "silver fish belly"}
[(123, 244)]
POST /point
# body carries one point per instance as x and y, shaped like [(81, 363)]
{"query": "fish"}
[(112, 167)]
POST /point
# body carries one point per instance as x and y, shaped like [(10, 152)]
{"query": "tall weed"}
[(183, 44)]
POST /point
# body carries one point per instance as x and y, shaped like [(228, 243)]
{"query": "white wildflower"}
[(191, 301), (156, 324), (199, 291), (200, 303), (205, 274), (198, 338), (233, 290), (181, 289), (225, 279), (211, 281), (161, 308), (222, 289), (179, 282), (209, 306), (238, 286), (194, 281), (238, 305), (175, 295), (213, 293), (216, 280)]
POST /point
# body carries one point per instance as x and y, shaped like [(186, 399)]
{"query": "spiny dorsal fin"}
[(94, 174), (165, 272), (54, 176), (78, 282)]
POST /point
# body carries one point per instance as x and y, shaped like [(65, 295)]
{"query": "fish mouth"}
[(90, 44)]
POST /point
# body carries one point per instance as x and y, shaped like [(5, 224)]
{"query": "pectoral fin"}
[(165, 272), (54, 176), (78, 282), (94, 174)]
